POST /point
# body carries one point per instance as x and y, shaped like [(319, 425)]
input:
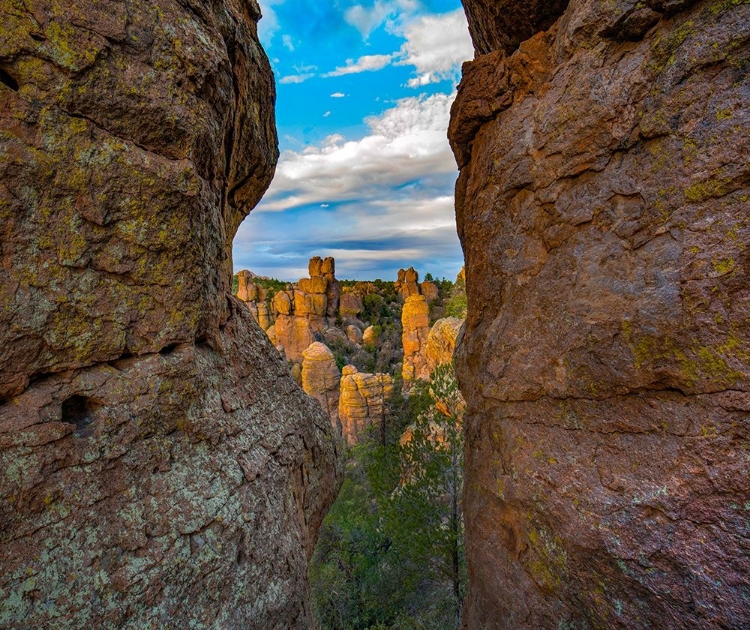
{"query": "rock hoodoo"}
[(602, 208), (415, 321), (363, 402), (158, 466), (321, 379)]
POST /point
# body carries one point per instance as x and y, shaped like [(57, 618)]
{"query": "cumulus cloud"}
[(338, 95), (436, 45), (269, 23), (406, 144), (367, 63), (288, 42)]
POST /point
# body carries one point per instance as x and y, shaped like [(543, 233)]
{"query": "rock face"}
[(415, 323), (158, 466), (441, 342), (602, 207), (363, 402), (321, 378)]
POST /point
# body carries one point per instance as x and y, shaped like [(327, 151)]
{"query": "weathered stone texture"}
[(158, 466), (363, 402), (415, 323), (603, 209), (441, 342), (321, 378)]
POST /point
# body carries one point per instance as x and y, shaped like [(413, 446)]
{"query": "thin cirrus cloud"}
[(366, 63)]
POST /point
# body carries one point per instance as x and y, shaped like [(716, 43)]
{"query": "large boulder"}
[(602, 207), (158, 466)]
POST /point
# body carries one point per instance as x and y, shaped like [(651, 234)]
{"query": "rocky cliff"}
[(603, 205), (158, 466)]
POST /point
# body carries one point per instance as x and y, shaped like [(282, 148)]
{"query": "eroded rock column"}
[(603, 210), (158, 466)]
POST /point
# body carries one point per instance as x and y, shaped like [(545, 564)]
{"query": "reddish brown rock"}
[(602, 207), (158, 466), (429, 290), (350, 306)]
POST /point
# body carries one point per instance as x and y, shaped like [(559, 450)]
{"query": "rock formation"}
[(321, 379), (407, 283), (429, 290), (602, 208), (158, 466), (363, 401), (351, 306), (441, 343), (304, 309), (415, 322)]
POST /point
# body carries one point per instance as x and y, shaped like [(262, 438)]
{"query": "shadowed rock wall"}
[(602, 206), (158, 466)]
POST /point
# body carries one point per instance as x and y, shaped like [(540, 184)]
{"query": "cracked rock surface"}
[(158, 466), (603, 206)]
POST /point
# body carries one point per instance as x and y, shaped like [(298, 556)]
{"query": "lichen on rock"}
[(605, 360), (158, 466)]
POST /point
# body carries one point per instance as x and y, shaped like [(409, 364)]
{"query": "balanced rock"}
[(407, 283), (363, 402), (321, 379), (602, 205)]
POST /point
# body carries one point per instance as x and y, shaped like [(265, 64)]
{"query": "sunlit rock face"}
[(321, 378), (602, 207), (158, 466), (363, 403), (415, 322)]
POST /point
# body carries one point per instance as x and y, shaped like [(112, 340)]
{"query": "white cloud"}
[(367, 63), (436, 45), (406, 144), (338, 95), (365, 19), (327, 114), (288, 43), (269, 23), (296, 78)]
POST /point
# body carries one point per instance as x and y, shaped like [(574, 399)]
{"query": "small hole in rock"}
[(8, 80), (80, 411), (166, 350)]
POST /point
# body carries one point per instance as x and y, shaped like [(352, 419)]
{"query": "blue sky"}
[(366, 174)]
